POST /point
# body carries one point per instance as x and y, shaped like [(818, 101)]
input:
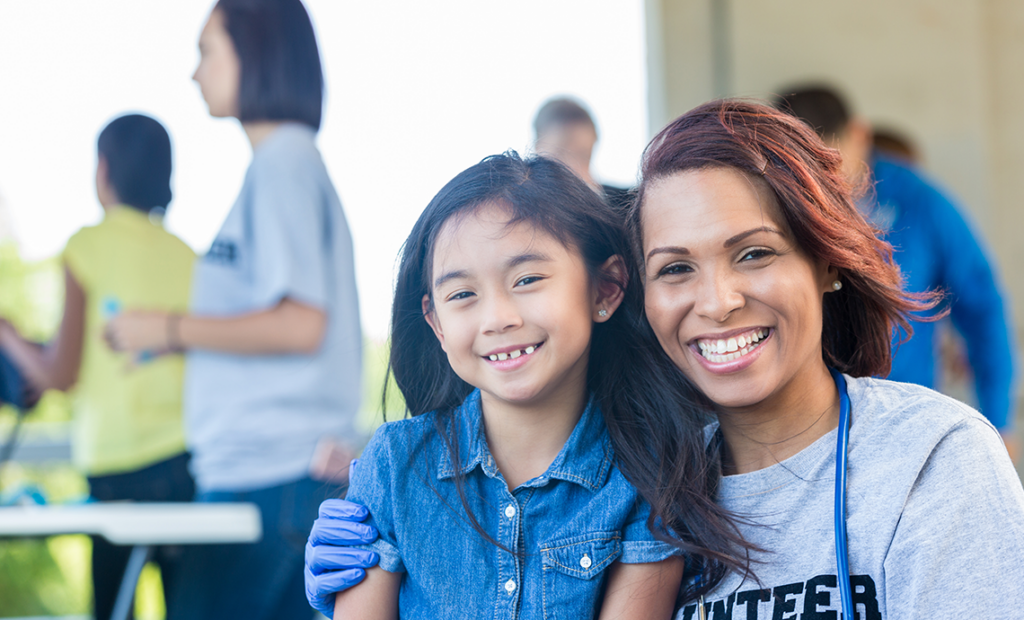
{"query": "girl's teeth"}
[(493, 358), (530, 350), (515, 354), (502, 357), (731, 345)]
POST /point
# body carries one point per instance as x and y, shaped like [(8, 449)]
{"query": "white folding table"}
[(140, 525)]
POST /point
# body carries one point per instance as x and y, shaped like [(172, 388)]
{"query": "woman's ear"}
[(611, 289), (431, 318), (829, 278)]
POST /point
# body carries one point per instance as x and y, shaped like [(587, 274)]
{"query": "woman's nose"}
[(718, 296)]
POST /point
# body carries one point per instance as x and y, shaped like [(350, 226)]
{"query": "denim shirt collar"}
[(585, 459)]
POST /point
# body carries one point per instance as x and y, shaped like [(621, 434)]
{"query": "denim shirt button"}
[(510, 511), (585, 561), (510, 586)]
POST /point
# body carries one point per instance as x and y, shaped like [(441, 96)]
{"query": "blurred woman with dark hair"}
[(128, 437), (272, 338), (777, 300)]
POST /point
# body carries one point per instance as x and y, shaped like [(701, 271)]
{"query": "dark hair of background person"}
[(892, 143), (655, 417), (815, 202), (821, 107), (137, 150), (558, 112), (281, 75)]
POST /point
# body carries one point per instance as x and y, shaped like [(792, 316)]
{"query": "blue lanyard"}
[(842, 554)]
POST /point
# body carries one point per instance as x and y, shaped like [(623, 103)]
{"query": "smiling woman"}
[(760, 276)]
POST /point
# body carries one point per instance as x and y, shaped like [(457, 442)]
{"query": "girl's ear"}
[(431, 318), (611, 289)]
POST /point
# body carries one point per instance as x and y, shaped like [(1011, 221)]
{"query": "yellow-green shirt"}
[(127, 418)]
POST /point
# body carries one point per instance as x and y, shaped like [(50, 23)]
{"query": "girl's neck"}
[(525, 439), (257, 131), (775, 429)]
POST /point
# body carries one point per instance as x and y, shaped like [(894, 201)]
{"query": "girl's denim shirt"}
[(566, 526)]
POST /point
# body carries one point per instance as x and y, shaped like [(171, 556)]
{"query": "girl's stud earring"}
[(837, 285), (602, 313)]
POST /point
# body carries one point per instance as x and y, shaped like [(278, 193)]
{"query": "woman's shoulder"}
[(910, 414)]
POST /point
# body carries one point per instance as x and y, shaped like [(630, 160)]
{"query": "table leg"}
[(125, 594)]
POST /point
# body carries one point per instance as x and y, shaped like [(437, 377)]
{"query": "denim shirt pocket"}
[(574, 573)]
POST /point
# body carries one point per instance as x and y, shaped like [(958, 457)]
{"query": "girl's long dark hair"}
[(655, 417)]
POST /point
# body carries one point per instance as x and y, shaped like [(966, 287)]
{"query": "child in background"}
[(510, 352), (128, 433)]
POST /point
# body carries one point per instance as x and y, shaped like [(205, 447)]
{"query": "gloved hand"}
[(331, 564)]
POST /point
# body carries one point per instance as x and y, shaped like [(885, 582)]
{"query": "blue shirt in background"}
[(567, 525), (936, 249), (253, 421)]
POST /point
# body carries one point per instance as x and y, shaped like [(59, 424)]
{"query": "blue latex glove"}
[(331, 564)]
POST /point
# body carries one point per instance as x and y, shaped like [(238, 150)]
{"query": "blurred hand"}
[(331, 564), (137, 331)]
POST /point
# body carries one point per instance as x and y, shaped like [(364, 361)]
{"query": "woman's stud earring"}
[(602, 313), (836, 285)]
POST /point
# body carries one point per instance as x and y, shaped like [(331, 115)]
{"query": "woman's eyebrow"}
[(668, 249), (733, 240)]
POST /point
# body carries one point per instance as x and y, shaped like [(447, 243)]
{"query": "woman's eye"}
[(528, 280), (675, 268), (756, 253), (460, 295)]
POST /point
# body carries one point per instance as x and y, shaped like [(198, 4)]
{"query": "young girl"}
[(502, 496)]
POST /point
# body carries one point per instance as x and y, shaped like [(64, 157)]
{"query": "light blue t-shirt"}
[(253, 421)]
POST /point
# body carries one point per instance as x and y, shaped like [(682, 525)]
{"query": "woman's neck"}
[(777, 428), (525, 439), (257, 131)]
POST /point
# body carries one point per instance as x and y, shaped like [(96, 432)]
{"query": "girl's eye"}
[(528, 280), (674, 269), (757, 253), (460, 295)]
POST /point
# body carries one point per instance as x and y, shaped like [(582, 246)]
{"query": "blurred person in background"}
[(565, 130), (935, 248), (128, 434), (273, 338)]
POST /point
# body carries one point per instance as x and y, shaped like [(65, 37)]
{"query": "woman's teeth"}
[(726, 350), (511, 355)]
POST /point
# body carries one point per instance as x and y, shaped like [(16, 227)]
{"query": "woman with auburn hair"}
[(777, 300)]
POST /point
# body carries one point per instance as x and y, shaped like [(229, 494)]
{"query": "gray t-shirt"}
[(935, 517), (253, 421)]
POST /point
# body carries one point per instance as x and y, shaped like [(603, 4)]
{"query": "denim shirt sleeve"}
[(639, 546), (371, 485)]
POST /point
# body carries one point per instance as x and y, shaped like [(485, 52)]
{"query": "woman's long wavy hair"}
[(655, 417), (805, 176)]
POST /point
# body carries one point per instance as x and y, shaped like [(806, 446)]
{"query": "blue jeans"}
[(258, 581)]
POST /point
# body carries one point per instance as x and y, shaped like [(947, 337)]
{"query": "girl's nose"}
[(501, 315), (718, 296)]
